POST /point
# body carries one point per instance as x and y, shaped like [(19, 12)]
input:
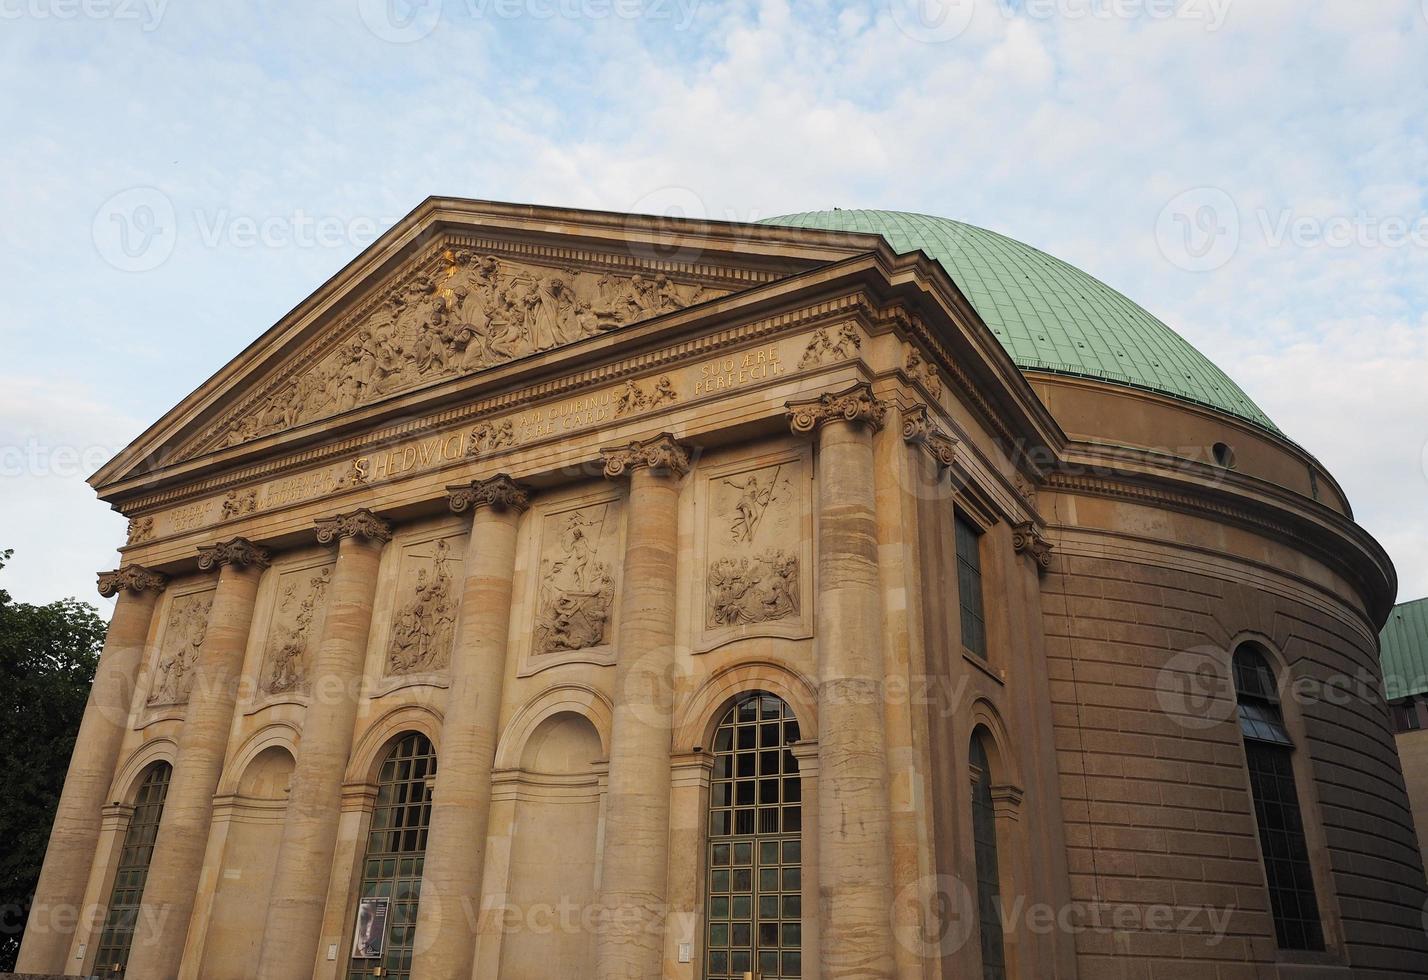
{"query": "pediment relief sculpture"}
[(461, 313), (184, 634)]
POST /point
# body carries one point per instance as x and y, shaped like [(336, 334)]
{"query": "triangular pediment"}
[(455, 289), (459, 310)]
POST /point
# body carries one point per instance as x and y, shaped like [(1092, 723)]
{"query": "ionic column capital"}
[(662, 455), (918, 429), (500, 492), (856, 405), (1028, 539), (358, 523), (239, 552), (131, 578)]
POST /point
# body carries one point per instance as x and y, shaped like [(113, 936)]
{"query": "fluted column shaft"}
[(310, 823), (75, 833), (629, 943), (172, 882), (854, 832), (461, 804)]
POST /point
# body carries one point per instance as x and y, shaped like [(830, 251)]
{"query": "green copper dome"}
[(1049, 315)]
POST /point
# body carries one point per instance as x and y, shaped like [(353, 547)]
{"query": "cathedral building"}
[(560, 594)]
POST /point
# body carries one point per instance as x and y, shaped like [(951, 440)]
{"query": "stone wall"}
[(1159, 818)]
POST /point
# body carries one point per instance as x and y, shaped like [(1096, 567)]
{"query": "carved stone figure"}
[(753, 590), (141, 529), (236, 503), (829, 345), (491, 436), (292, 629), (753, 570), (424, 625), (920, 371), (577, 588), (463, 313), (178, 655)]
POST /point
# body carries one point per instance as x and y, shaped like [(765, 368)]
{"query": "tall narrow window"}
[(1269, 755), (396, 849), (138, 850), (984, 844), (969, 586), (755, 870)]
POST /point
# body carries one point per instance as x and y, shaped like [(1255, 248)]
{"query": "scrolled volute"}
[(131, 578), (359, 523), (237, 551), (662, 454), (856, 405), (1028, 539), (500, 492), (919, 429)]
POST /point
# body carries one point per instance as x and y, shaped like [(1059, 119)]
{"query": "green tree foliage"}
[(47, 659)]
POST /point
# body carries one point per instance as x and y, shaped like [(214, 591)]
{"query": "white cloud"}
[(1071, 133)]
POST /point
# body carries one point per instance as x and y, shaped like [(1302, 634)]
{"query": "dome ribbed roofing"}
[(1048, 314)]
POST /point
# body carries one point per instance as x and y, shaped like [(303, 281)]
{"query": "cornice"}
[(472, 408), (1302, 527)]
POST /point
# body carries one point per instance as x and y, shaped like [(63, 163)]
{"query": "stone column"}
[(75, 832), (461, 803), (854, 848), (629, 944), (172, 883), (295, 905)]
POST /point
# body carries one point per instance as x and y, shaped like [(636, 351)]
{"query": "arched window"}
[(984, 846), (392, 867), (138, 850), (755, 867), (1269, 753)]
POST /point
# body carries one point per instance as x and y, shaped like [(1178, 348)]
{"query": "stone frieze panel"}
[(755, 551), (577, 547)]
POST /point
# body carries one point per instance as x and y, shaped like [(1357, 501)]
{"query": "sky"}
[(179, 174)]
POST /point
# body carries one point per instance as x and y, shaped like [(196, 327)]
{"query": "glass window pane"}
[(394, 861)]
